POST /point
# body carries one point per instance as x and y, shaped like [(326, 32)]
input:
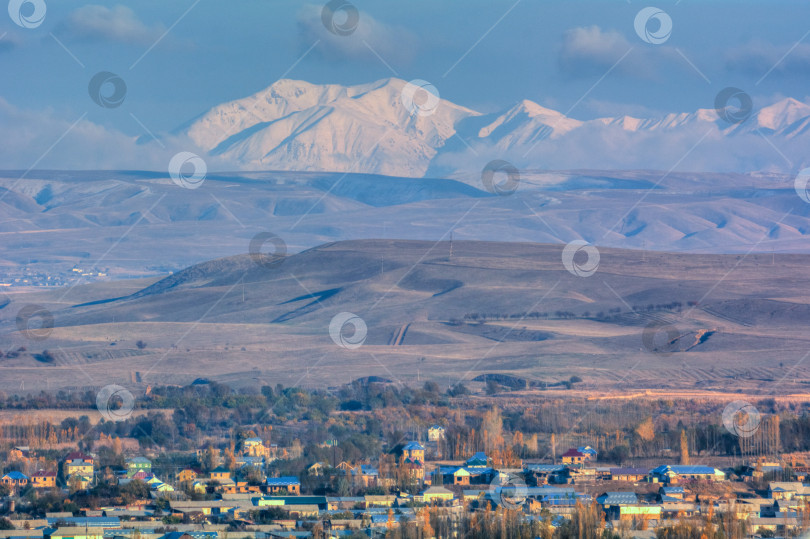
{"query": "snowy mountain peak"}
[(533, 110), (296, 125), (782, 114), (528, 121), (395, 127)]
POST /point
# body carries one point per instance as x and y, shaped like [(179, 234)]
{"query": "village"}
[(230, 492)]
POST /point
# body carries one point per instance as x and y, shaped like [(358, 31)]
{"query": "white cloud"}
[(601, 108), (26, 138), (759, 57), (101, 23), (698, 147), (591, 51), (394, 44)]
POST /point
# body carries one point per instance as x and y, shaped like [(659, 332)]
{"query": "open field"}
[(644, 321)]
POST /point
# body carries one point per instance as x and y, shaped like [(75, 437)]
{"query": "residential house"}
[(589, 452), (240, 487), (451, 475), (612, 502), (671, 493), (787, 490), (15, 480), (543, 474), (414, 451), (221, 474), (187, 475), (413, 459), (679, 472), (281, 485), (379, 500), (345, 468), (480, 475), (79, 481), (574, 457), (160, 486), (679, 509), (436, 433), (143, 475), (416, 470), (758, 471), (255, 447), (479, 460), (617, 498), (559, 501), (198, 486), (138, 464), (633, 475), (78, 463), (775, 526), (437, 494), (20, 452), (243, 461), (43, 479), (317, 469), (366, 475)]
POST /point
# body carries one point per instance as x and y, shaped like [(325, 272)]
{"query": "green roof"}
[(290, 500)]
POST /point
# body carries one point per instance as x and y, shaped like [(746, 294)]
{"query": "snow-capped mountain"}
[(526, 123), (296, 125)]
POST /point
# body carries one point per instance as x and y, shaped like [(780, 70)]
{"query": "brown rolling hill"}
[(452, 313)]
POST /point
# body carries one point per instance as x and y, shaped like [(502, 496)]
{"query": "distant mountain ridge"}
[(296, 125)]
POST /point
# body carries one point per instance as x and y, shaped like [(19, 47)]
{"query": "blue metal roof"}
[(550, 491), (682, 469), (283, 481), (618, 498), (90, 522), (414, 446), (478, 457), (544, 468), (367, 469), (194, 534), (17, 476)]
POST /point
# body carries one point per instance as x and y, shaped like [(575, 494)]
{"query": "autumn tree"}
[(646, 430), (684, 448), (492, 429)]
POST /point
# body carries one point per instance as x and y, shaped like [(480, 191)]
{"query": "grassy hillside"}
[(642, 320)]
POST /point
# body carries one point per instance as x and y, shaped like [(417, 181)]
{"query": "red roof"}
[(574, 453), (44, 473), (76, 455)]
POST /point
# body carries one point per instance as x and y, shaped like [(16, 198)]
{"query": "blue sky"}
[(481, 54)]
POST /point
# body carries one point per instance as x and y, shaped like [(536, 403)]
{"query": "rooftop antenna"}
[(451, 244)]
